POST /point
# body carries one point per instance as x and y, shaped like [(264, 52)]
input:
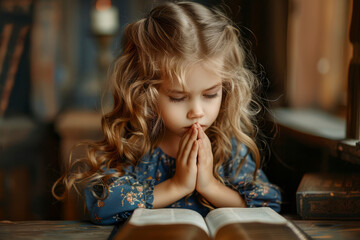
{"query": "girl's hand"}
[(205, 176), (186, 169)]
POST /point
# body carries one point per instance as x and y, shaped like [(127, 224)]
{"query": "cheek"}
[(170, 114), (214, 109)]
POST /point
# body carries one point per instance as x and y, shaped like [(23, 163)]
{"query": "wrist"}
[(166, 193), (210, 188), (219, 195), (179, 188)]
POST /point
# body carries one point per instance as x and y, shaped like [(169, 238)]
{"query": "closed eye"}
[(211, 95), (174, 99)]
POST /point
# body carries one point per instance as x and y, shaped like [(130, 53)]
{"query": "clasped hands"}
[(194, 162)]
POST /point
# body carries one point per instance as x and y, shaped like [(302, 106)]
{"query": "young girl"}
[(181, 132)]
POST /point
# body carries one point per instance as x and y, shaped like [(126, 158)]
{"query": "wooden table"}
[(321, 229), (53, 230), (344, 230)]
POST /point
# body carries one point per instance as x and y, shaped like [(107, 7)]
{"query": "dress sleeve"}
[(258, 193), (125, 195)]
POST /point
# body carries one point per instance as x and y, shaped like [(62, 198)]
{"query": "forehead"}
[(199, 76)]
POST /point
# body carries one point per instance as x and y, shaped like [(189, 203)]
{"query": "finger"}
[(199, 129), (187, 134), (205, 138), (201, 132), (185, 139), (189, 144), (193, 154), (201, 150)]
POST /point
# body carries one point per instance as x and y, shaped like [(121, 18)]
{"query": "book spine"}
[(14, 63), (4, 43), (45, 37), (328, 206)]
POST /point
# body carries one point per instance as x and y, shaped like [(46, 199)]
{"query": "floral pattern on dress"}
[(135, 188)]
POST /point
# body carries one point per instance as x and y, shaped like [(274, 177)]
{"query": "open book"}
[(221, 223)]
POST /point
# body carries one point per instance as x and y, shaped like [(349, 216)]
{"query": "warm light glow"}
[(102, 4), (104, 18)]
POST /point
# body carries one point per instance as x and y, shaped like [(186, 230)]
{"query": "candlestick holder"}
[(103, 62), (104, 25)]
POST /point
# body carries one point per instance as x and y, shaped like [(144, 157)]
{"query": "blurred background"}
[(54, 56)]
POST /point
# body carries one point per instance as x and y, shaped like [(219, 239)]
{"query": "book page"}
[(220, 217), (143, 216)]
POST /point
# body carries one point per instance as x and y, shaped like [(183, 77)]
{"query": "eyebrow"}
[(208, 89)]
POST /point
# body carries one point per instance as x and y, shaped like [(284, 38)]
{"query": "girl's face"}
[(198, 102)]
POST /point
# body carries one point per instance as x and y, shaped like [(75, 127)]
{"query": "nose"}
[(195, 110)]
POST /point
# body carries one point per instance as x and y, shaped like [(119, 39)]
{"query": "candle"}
[(104, 19)]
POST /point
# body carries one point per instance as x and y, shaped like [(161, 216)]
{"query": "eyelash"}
[(172, 99), (209, 96)]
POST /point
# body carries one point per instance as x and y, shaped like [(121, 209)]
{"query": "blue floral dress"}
[(135, 188)]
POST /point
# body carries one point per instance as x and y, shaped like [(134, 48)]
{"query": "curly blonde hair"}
[(161, 46)]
